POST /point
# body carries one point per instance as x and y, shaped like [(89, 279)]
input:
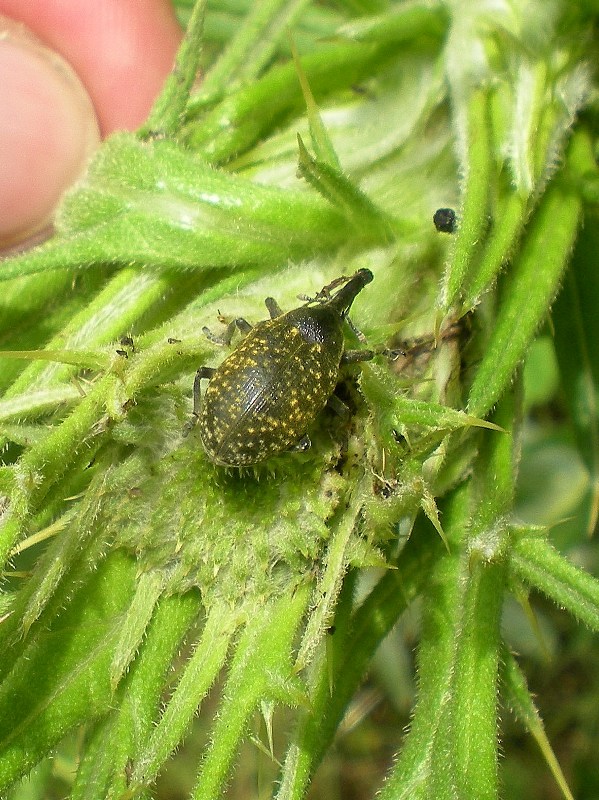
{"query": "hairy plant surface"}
[(140, 577)]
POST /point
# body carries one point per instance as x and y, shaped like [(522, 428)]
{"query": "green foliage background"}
[(139, 577)]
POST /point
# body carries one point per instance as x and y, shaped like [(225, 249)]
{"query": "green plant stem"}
[(353, 644), (535, 561), (198, 676), (116, 741), (475, 191), (167, 114), (451, 750), (264, 648), (531, 285), (252, 46), (242, 117)]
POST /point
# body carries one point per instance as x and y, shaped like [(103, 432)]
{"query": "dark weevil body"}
[(266, 394)]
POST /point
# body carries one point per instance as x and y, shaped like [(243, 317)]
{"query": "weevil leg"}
[(203, 372), (243, 325), (223, 338), (324, 295), (274, 309), (357, 332), (226, 337), (301, 445), (337, 405), (354, 356)]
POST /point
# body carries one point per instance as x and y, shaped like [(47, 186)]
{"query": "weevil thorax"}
[(267, 393)]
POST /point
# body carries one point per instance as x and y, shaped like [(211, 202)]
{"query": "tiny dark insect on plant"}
[(445, 220), (263, 398)]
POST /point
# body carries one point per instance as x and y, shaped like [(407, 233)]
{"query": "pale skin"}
[(71, 73)]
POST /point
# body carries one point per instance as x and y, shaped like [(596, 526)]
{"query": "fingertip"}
[(122, 50), (47, 131)]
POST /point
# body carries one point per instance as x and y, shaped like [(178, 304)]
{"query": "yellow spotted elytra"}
[(264, 397)]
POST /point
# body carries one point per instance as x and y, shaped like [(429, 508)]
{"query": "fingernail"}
[(48, 130)]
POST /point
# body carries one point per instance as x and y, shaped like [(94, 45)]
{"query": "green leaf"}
[(410, 20), (149, 588), (536, 562), (63, 677), (521, 702), (529, 288), (263, 648), (576, 341), (342, 194), (253, 45), (44, 463), (321, 142), (250, 113), (198, 675), (80, 358), (118, 739), (166, 115), (451, 750), (173, 211), (475, 191)]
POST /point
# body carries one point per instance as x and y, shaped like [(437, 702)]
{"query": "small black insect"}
[(445, 220), (263, 398)]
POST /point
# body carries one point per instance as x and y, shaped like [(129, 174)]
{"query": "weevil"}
[(263, 398)]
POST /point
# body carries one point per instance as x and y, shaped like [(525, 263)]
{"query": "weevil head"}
[(341, 302)]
